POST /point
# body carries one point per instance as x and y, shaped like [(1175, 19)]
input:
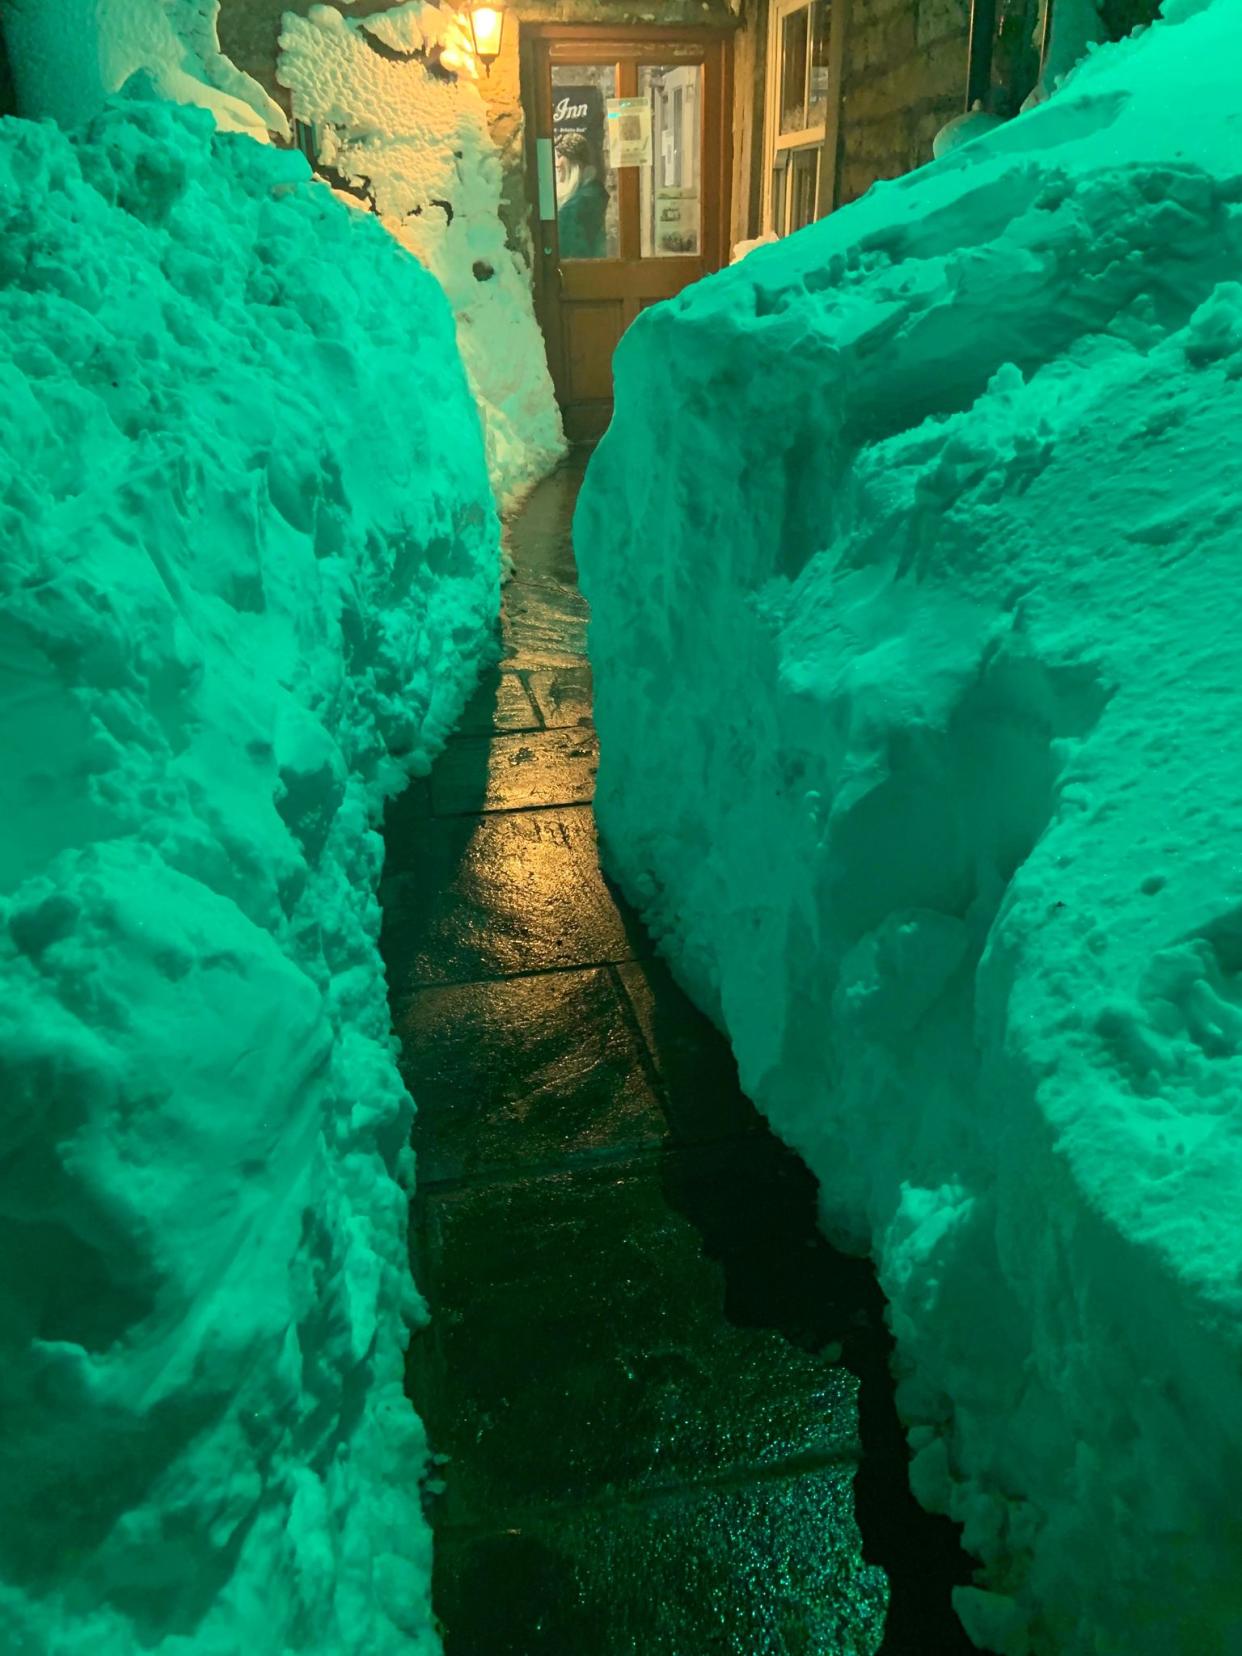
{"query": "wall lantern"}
[(487, 26)]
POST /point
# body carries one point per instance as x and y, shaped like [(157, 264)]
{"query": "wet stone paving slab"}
[(493, 896), (763, 1566), (514, 771), (635, 1347), (662, 1403), (525, 1072)]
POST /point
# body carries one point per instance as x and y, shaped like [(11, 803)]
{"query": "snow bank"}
[(69, 56), (248, 560), (411, 140), (913, 558)]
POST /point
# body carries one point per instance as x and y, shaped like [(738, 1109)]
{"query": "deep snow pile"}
[(70, 56), (412, 141), (913, 556), (248, 561)]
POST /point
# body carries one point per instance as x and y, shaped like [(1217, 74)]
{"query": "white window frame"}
[(821, 139)]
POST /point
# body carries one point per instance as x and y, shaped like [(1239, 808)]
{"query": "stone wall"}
[(904, 76), (502, 94)]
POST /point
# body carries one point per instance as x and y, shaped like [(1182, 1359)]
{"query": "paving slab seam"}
[(615, 1157), (541, 729), (622, 1503), (513, 810), (557, 969), (581, 1161)]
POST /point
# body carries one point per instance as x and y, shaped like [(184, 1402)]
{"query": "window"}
[(801, 124)]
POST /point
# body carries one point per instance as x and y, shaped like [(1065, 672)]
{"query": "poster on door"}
[(629, 132), (582, 195)]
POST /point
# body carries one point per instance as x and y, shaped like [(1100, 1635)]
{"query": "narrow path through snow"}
[(648, 1371)]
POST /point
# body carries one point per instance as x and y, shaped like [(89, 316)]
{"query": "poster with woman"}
[(581, 193)]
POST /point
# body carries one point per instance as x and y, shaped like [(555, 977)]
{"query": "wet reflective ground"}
[(663, 1399)]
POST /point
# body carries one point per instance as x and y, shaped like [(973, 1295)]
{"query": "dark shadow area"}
[(514, 1594), (8, 92), (757, 1214), (920, 1552)]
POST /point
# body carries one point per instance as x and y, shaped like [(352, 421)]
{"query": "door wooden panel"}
[(592, 330), (633, 234)]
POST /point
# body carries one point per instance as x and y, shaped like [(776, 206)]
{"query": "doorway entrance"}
[(629, 141)]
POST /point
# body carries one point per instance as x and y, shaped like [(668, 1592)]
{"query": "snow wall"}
[(249, 560), (411, 141), (913, 555)]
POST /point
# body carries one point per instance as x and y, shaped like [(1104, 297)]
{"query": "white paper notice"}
[(629, 132)]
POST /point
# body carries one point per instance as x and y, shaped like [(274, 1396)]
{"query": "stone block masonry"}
[(904, 76)]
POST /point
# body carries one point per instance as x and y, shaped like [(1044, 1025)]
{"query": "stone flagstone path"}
[(661, 1396)]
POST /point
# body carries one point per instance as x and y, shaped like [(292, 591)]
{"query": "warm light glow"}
[(487, 25)]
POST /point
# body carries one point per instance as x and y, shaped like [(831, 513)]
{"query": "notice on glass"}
[(629, 132), (677, 221)]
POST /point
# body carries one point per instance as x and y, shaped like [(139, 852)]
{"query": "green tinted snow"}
[(248, 563)]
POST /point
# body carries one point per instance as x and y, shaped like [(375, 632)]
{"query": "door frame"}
[(635, 43)]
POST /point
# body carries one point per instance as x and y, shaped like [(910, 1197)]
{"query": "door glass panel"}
[(588, 219), (817, 113), (794, 47), (803, 186), (670, 184)]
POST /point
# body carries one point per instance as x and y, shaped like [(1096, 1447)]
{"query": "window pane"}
[(804, 187), (586, 186), (669, 187), (821, 14), (779, 182), (794, 46)]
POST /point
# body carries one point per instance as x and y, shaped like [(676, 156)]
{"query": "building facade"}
[(742, 120)]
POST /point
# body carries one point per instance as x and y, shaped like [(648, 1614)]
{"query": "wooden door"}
[(629, 149)]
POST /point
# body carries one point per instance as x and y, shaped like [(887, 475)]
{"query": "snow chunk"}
[(249, 565), (912, 556)]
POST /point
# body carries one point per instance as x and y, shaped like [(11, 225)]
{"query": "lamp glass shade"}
[(486, 25)]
